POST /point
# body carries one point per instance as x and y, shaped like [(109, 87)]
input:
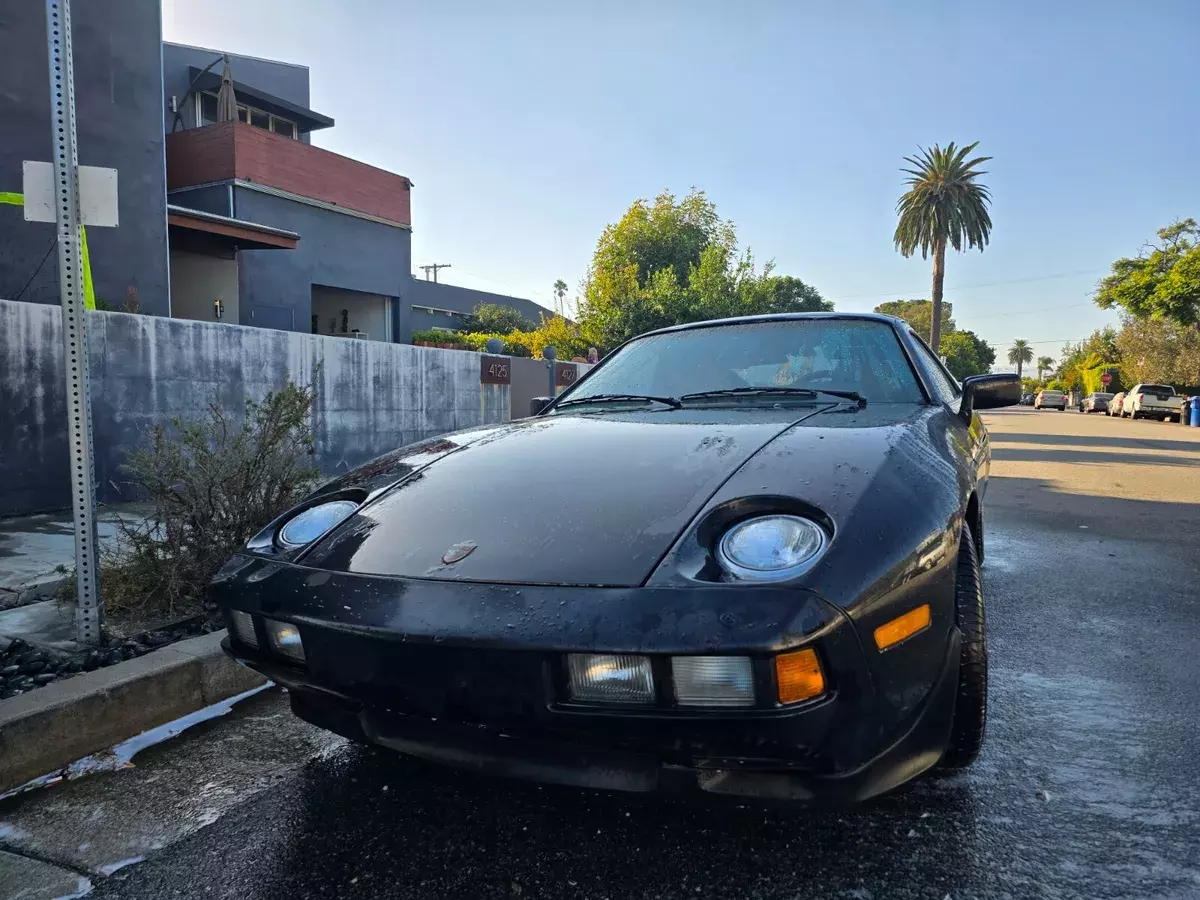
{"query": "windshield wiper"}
[(769, 391), (604, 398)]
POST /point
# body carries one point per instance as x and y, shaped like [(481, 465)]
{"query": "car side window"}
[(944, 384)]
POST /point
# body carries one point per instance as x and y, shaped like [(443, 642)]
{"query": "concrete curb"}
[(46, 729), (43, 587)]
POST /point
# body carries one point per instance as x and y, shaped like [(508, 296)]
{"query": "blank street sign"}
[(97, 194)]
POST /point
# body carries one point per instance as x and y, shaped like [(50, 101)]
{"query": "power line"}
[(1024, 312), (981, 284), (50, 250), (504, 284)]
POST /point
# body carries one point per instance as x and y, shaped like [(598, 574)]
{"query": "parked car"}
[(707, 564), (1153, 401), (1114, 404), (1027, 399), (1097, 402), (1050, 400)]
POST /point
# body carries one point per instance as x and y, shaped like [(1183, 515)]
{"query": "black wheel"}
[(970, 702)]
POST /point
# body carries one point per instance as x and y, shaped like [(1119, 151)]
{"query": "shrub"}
[(495, 318), (438, 336), (214, 483)]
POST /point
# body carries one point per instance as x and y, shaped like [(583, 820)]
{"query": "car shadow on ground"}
[(1004, 453), (459, 834), (1155, 441)]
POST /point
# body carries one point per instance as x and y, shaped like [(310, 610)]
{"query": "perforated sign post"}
[(89, 611)]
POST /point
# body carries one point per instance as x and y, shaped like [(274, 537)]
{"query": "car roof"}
[(779, 317)]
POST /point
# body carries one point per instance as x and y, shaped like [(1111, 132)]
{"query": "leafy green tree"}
[(984, 351), (966, 354), (1020, 353), (1044, 364), (919, 314), (1161, 284), (1159, 350), (675, 260), (944, 204), (960, 355), (494, 318)]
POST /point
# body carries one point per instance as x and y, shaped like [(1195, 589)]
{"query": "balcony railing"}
[(232, 151)]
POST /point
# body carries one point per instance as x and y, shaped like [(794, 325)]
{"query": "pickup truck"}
[(1153, 401)]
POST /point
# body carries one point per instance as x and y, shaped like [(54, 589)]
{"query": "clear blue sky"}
[(528, 126)]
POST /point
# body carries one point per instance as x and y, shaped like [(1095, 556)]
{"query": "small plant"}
[(214, 483), (132, 303)]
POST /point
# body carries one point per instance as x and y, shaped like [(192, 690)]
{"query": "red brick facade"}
[(236, 150)]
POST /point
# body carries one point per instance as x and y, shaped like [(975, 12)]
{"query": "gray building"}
[(119, 96), (241, 222)]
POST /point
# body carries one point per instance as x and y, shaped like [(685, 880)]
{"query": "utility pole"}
[(433, 267)]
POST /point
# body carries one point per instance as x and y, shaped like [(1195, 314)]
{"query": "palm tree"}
[(943, 204), (560, 291), (1044, 364), (1020, 352)]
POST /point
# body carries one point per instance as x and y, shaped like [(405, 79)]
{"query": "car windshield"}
[(1052, 393), (1157, 389), (861, 356), (1102, 396)]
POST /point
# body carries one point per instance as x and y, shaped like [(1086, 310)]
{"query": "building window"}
[(207, 115)]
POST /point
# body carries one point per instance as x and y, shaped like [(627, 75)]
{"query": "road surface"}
[(1087, 787)]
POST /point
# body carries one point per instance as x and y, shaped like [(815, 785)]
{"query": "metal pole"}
[(89, 612)]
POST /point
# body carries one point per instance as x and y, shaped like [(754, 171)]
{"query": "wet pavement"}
[(1088, 786)]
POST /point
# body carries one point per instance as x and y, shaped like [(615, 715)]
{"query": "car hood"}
[(592, 499)]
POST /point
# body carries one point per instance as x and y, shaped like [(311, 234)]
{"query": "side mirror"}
[(989, 392), (537, 404)]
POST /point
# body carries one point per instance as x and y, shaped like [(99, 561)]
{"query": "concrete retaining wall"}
[(371, 396)]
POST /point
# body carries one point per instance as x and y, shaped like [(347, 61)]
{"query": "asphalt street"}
[(1088, 786)]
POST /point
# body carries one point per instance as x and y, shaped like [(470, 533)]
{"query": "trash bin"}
[(1195, 419)]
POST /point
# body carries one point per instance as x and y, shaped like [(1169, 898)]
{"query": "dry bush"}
[(214, 482)]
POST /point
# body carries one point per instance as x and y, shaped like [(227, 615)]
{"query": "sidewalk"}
[(33, 547)]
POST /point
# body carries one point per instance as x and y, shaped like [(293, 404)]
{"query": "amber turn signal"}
[(902, 627), (798, 676)]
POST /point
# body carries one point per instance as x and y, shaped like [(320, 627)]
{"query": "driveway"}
[(1087, 787)]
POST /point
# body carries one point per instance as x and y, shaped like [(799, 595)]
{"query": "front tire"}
[(970, 701)]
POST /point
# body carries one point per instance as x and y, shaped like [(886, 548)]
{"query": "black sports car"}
[(740, 556)]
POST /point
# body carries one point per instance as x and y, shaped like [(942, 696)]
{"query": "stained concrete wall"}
[(371, 396)]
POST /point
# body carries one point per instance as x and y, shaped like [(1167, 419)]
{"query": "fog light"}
[(713, 680), (284, 639), (242, 626), (902, 627), (610, 678), (798, 676)]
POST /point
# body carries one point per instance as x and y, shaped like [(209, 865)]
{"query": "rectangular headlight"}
[(242, 626), (713, 680), (610, 678), (284, 639)]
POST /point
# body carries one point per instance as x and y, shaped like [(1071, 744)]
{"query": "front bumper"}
[(471, 675)]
